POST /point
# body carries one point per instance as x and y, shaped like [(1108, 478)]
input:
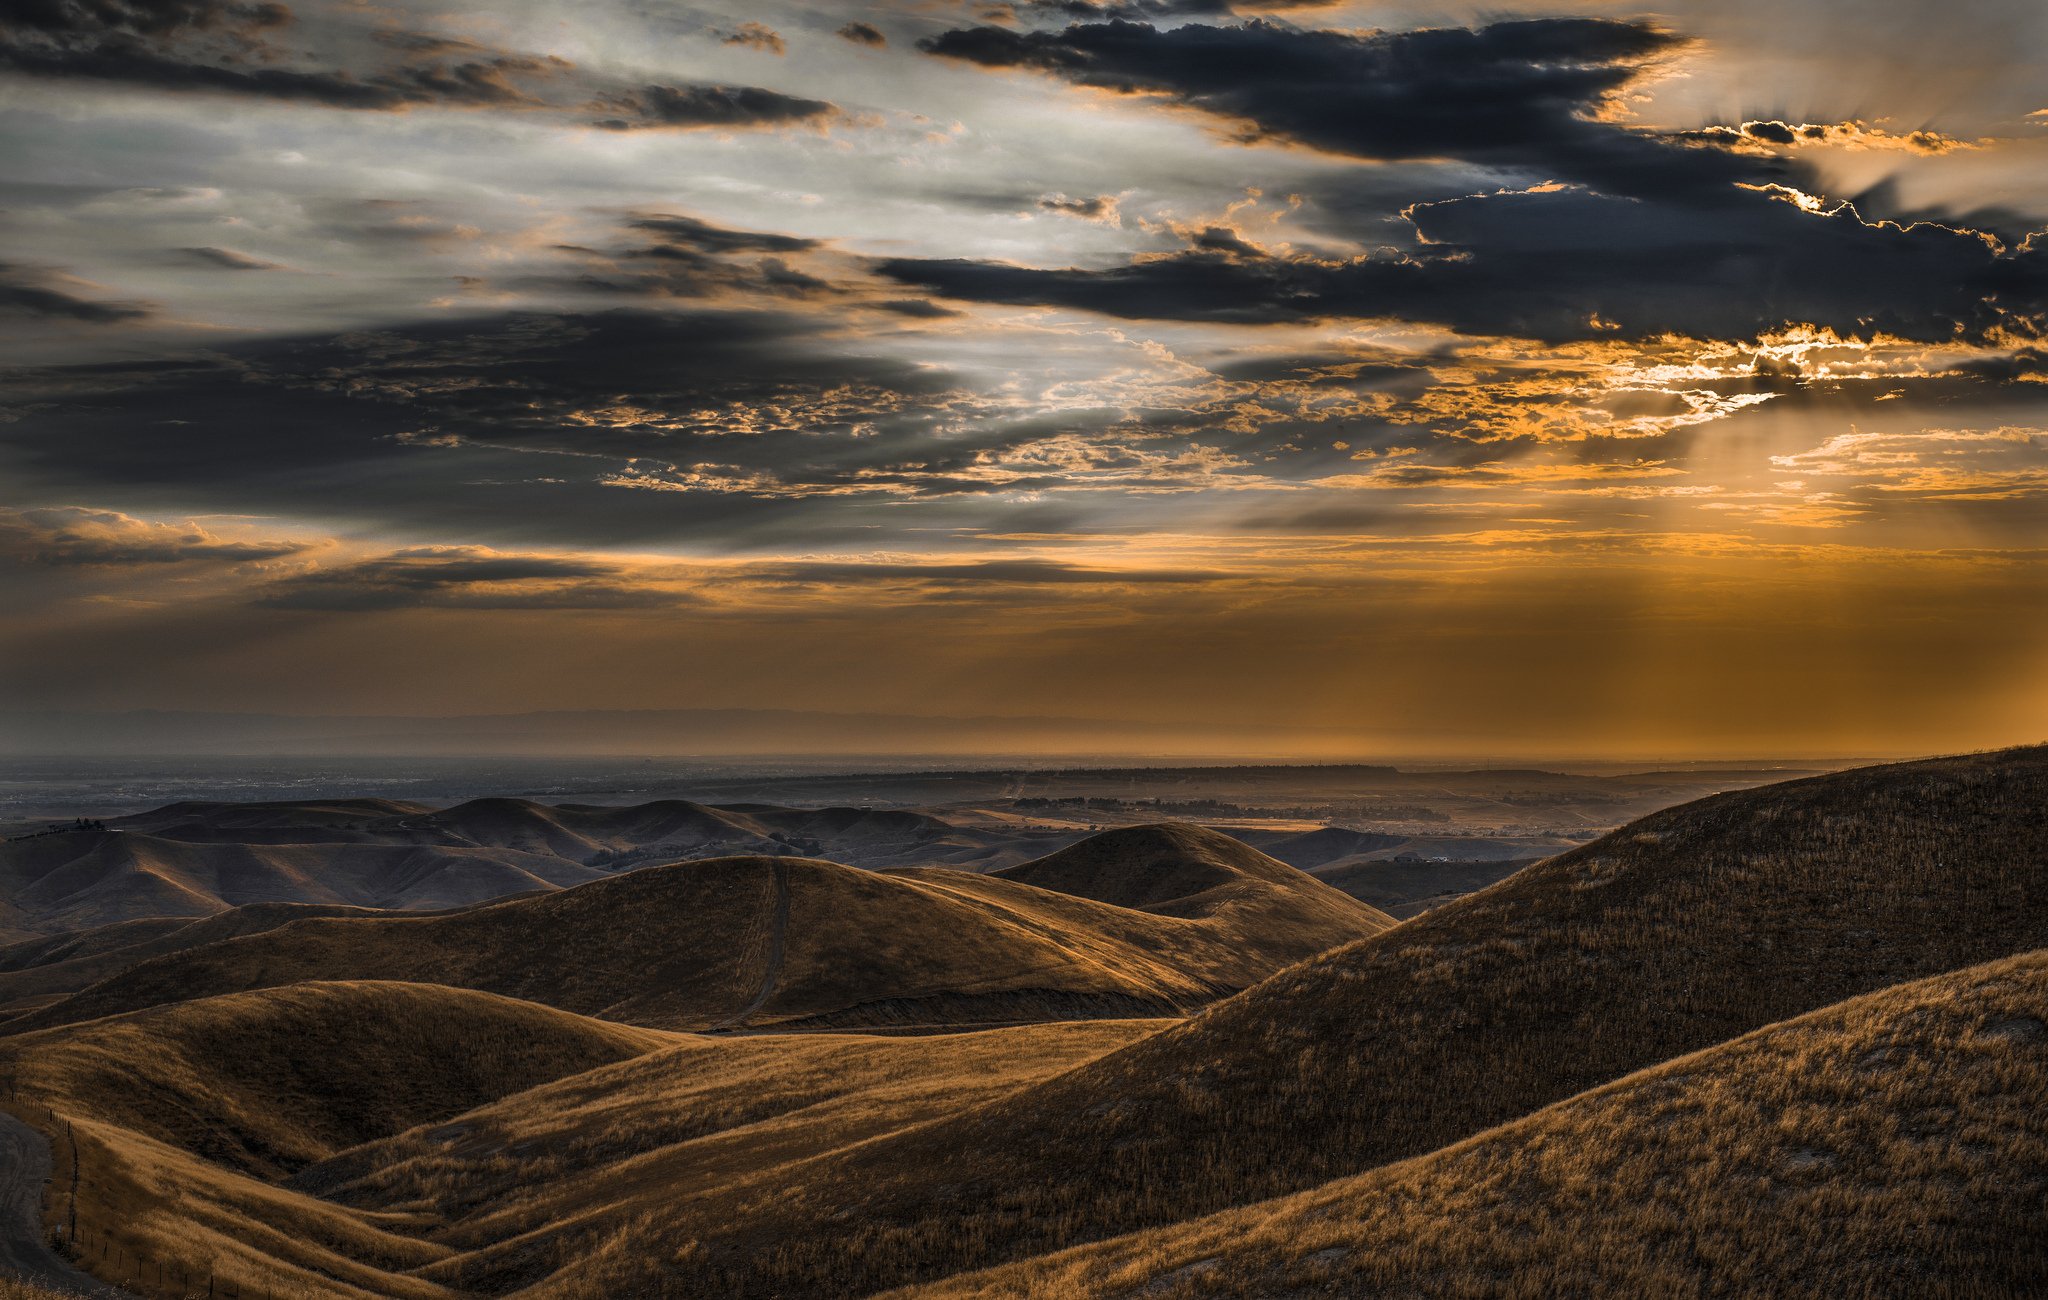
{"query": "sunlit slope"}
[(1892, 1145), (1684, 929), (764, 941)]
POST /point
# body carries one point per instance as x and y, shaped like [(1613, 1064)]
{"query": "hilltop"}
[(723, 942), (1893, 1144)]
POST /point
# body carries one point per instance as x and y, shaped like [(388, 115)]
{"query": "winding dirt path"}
[(778, 938), (24, 1168)]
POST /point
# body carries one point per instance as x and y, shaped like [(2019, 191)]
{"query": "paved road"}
[(24, 1166)]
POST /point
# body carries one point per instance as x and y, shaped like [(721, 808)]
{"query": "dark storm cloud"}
[(210, 45), (699, 236), (1647, 235), (864, 34), (1512, 86), (688, 107), (228, 259), (26, 291), (508, 425), (1566, 264), (685, 257), (257, 50), (466, 578)]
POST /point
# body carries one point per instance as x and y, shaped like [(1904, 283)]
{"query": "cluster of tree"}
[(72, 827)]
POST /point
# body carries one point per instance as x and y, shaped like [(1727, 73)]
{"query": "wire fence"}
[(118, 1260)]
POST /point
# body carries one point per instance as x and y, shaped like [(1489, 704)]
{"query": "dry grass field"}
[(351, 1140), (1892, 1145)]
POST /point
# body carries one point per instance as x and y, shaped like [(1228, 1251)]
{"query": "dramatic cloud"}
[(260, 50), (1513, 92), (1768, 136), (75, 535), (694, 107), (1102, 207), (1135, 356), (234, 48), (757, 36), (463, 577), (1625, 233), (26, 291), (229, 260)]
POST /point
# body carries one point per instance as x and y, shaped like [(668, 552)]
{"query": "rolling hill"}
[(1682, 930), (232, 1138), (194, 859), (94, 878), (1891, 1145), (793, 941)]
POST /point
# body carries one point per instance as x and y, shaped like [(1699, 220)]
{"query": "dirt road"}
[(24, 1166)]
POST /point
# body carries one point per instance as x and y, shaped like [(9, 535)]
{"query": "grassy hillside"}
[(35, 973), (595, 1151), (1685, 929), (268, 1082), (1892, 1145), (180, 1119), (203, 1131), (785, 940)]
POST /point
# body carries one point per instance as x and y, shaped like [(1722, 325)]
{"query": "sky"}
[(1579, 379)]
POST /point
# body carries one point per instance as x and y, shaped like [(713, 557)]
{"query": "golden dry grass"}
[(1892, 1145), (200, 1164), (177, 1118), (1685, 929)]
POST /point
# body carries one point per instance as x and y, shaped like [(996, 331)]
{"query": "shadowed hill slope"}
[(1891, 1145), (1682, 930), (764, 940), (1170, 868)]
